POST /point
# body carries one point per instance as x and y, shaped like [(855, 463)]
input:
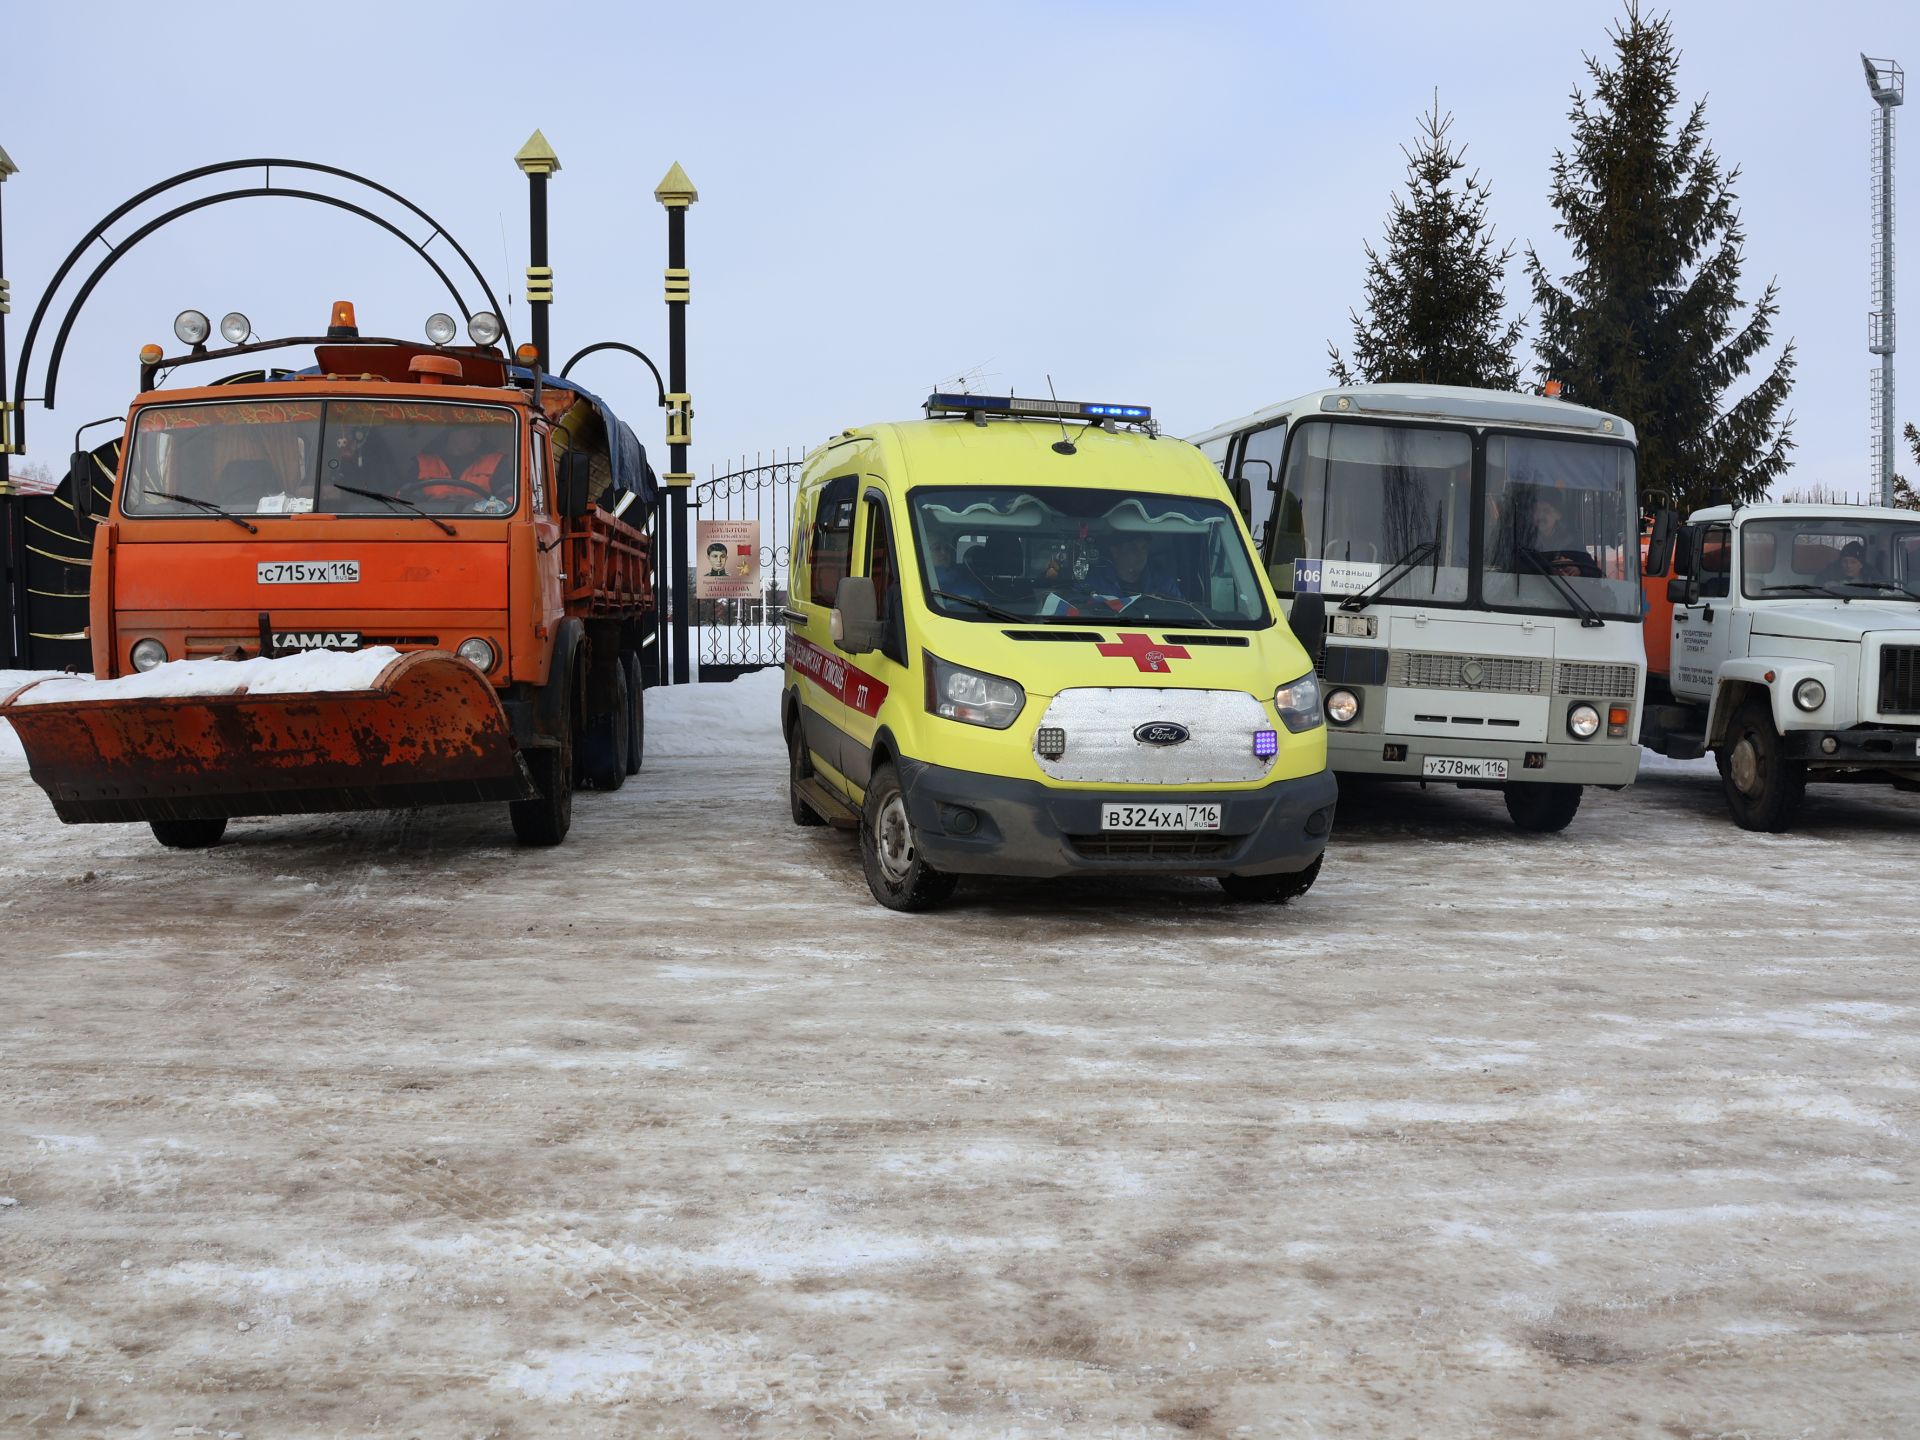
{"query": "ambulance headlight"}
[(956, 693), (1809, 694), (1583, 722), (1299, 703), (477, 653), (148, 654)]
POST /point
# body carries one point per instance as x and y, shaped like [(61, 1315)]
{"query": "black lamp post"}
[(675, 191), (537, 161)]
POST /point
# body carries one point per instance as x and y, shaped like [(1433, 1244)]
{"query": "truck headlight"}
[(148, 654), (477, 653), (1298, 702), (1583, 722), (1343, 706), (956, 693), (1809, 694)]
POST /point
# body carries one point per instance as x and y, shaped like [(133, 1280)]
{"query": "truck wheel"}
[(1543, 808), (637, 721), (603, 748), (1271, 889), (545, 819), (1763, 787), (797, 770), (188, 834), (898, 876)]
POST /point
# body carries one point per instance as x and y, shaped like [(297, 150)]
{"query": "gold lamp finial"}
[(536, 157), (675, 189)]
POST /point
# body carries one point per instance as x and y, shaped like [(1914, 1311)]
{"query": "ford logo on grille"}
[(1161, 732)]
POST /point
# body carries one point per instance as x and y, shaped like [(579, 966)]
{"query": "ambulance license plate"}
[(308, 572), (1159, 817), (1447, 767)]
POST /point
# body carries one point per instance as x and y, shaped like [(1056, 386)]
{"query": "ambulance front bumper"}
[(973, 824)]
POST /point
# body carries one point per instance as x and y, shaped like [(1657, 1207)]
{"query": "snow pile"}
[(735, 718), (312, 670)]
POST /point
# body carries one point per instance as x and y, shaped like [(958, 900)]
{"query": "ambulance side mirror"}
[(1308, 621), (855, 622), (1660, 544), (80, 483), (1243, 498)]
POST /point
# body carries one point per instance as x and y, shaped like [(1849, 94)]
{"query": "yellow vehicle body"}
[(985, 800)]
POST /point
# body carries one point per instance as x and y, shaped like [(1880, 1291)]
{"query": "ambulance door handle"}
[(793, 616)]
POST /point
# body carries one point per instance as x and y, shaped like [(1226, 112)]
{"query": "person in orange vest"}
[(465, 475)]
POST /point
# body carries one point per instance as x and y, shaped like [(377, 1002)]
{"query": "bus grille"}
[(1595, 682), (1900, 680), (1501, 674)]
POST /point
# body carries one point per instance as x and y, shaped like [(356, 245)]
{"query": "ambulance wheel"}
[(1542, 808), (604, 746), (188, 834), (637, 718), (898, 876), (797, 770), (1763, 787), (545, 819), (1271, 889)]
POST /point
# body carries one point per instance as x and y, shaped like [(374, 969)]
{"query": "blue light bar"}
[(1037, 409)]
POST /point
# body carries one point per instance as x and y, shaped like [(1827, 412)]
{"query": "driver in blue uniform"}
[(1128, 567)]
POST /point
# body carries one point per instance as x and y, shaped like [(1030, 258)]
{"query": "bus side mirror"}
[(80, 483), (1660, 544), (1308, 621), (855, 622), (576, 476)]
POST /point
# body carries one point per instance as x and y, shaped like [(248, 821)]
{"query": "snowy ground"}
[(380, 1126)]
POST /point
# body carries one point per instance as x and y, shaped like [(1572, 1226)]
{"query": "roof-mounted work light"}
[(235, 328), (484, 328), (190, 327)]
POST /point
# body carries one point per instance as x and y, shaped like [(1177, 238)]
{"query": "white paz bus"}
[(1476, 553)]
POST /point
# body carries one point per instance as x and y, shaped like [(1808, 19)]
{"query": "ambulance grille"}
[(1153, 845), (1497, 674), (1595, 682)]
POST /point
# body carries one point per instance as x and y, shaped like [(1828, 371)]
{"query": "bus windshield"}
[(1561, 510), (1054, 555)]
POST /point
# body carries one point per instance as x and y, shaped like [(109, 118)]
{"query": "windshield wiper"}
[(993, 610), (1885, 585), (395, 500), (1360, 599), (1205, 619), (208, 506), (1808, 588), (1589, 617)]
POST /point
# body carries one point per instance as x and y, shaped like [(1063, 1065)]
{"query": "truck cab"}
[(1792, 635)]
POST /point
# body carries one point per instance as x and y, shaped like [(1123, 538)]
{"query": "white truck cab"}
[(1793, 642)]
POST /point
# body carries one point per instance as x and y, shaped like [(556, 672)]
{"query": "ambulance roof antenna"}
[(1064, 445)]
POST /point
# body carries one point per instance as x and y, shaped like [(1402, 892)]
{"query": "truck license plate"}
[(308, 572), (1448, 767), (1159, 817)]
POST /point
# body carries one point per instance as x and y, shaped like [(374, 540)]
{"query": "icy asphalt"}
[(378, 1126)]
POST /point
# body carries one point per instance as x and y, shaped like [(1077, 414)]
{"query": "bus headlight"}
[(1299, 703), (477, 653), (1809, 694), (148, 654), (1343, 707), (1583, 722), (956, 693)]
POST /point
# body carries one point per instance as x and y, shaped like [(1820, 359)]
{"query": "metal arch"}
[(96, 233), (100, 271), (624, 349)]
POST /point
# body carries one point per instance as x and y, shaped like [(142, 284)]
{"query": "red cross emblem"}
[(1144, 653)]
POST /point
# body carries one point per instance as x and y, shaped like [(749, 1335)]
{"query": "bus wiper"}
[(1589, 617), (1400, 568), (993, 610), (208, 506), (1885, 585), (395, 500)]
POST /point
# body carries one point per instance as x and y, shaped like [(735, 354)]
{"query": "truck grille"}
[(1595, 682), (1900, 680), (1501, 674), (1153, 845)]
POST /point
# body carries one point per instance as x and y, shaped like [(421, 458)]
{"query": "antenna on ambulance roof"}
[(1064, 445)]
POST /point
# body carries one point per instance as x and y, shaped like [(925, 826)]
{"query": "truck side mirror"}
[(576, 477), (80, 483), (855, 623), (1677, 590), (1660, 543), (1308, 621)]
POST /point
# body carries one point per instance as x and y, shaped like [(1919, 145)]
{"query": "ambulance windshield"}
[(1069, 556)]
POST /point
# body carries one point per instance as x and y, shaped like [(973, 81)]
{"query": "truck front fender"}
[(1775, 679)]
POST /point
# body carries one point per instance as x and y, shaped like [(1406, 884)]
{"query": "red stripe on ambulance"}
[(848, 684)]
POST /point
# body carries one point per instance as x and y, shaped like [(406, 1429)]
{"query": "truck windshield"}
[(1565, 509), (1837, 554), (1049, 555), (1359, 500), (340, 457)]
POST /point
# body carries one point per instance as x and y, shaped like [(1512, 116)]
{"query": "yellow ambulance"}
[(1030, 637)]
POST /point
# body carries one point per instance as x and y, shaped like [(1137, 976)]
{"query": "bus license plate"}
[(308, 572), (1159, 817), (1448, 767)]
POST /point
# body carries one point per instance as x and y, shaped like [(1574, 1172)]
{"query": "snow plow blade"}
[(428, 731)]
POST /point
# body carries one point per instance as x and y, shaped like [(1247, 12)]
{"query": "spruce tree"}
[(1434, 300), (1649, 325)]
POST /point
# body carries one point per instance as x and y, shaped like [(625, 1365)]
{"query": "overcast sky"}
[(1158, 204)]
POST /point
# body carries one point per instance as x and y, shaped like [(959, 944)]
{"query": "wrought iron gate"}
[(735, 636)]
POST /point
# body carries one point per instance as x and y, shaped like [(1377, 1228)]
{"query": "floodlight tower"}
[(1887, 82)]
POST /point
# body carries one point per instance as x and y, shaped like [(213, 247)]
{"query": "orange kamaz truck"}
[(481, 520)]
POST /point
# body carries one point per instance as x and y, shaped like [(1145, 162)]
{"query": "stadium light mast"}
[(1887, 83)]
